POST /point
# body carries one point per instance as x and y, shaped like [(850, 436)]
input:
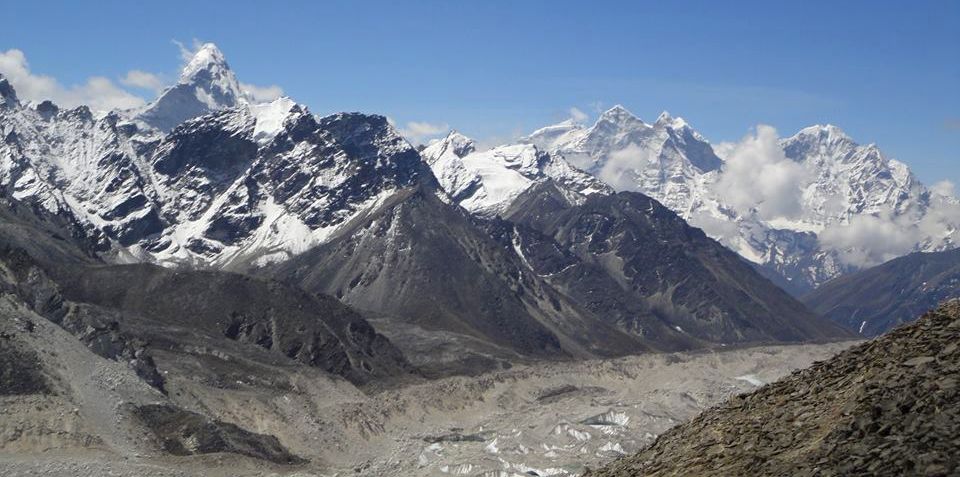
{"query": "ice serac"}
[(206, 84), (487, 182)]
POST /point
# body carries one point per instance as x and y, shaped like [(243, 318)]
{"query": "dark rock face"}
[(20, 370), (123, 312), (875, 300), (449, 275), (47, 110), (633, 261), (98, 329), (182, 432), (8, 97), (887, 407), (699, 152), (616, 275), (313, 330)]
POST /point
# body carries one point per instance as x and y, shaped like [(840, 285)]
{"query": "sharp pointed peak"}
[(206, 84), (455, 135), (616, 109), (667, 120), (618, 114), (454, 142), (207, 57)]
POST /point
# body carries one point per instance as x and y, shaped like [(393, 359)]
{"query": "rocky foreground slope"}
[(886, 407)]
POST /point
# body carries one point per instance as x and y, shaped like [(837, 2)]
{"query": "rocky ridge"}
[(885, 407)]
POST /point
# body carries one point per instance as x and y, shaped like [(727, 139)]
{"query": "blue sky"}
[(886, 72)]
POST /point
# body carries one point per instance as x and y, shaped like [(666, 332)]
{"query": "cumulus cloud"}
[(97, 92), (943, 188), (724, 149), (621, 169), (724, 230), (143, 80), (187, 52), (261, 94), (420, 132), (869, 240), (577, 115), (757, 175)]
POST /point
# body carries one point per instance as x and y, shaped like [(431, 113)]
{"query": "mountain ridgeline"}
[(462, 260)]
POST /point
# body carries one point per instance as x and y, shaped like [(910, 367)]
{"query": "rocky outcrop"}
[(182, 432)]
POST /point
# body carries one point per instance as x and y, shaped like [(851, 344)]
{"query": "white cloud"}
[(758, 175), (621, 169), (943, 188), (144, 80), (724, 149), (873, 239), (261, 94), (727, 231), (869, 239), (419, 132), (97, 92), (187, 53), (577, 115)]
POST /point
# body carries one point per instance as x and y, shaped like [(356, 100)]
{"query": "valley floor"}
[(548, 419)]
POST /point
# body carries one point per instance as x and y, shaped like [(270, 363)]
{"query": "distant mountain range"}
[(464, 259), (839, 189)]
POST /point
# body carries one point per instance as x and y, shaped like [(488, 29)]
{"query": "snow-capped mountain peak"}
[(487, 182), (208, 58), (821, 140), (842, 184), (824, 131), (620, 117), (454, 143), (271, 117), (666, 120), (206, 84)]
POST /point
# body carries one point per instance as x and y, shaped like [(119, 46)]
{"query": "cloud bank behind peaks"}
[(97, 92)]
